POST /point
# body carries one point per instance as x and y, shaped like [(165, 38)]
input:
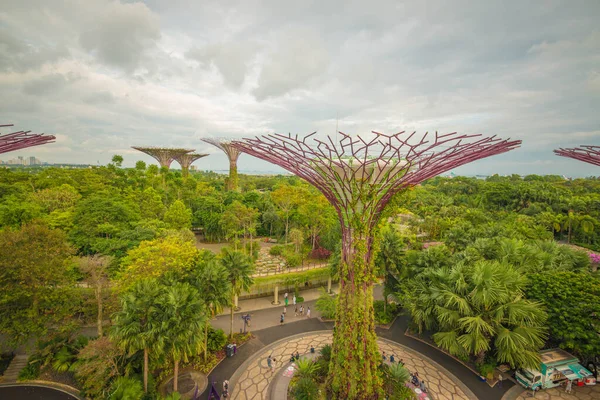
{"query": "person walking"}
[(270, 362), (423, 387), (301, 310), (569, 386), (281, 319), (274, 364), (225, 385), (296, 311), (392, 359), (308, 312), (285, 297), (294, 299)]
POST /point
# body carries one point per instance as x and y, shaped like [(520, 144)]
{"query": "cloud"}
[(122, 34)]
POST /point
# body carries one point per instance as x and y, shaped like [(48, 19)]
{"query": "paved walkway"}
[(253, 378), (578, 393), (16, 365)]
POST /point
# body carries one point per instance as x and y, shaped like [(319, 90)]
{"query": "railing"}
[(286, 270), (268, 289)]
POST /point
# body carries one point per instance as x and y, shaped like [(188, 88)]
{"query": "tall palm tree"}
[(239, 271), (136, 326), (212, 282), (182, 315), (477, 307)]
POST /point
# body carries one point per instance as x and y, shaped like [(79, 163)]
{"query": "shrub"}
[(320, 253), (386, 317), (216, 339), (292, 259), (306, 368), (305, 389), (124, 388), (279, 249), (326, 304), (326, 352), (32, 370), (299, 299)]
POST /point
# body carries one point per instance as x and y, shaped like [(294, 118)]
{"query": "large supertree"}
[(22, 139), (359, 177), (185, 160), (585, 153), (164, 155), (232, 153)]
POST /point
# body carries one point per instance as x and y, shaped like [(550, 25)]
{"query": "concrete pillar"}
[(329, 284), (276, 295)]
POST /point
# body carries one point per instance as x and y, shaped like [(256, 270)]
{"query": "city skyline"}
[(106, 75)]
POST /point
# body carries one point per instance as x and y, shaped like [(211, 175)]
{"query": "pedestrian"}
[(401, 362), (384, 357), (296, 311), (308, 312), (274, 365), (294, 299), (301, 310), (297, 356), (423, 387), (285, 297), (500, 377), (392, 359), (225, 385), (281, 319), (270, 362), (569, 387)]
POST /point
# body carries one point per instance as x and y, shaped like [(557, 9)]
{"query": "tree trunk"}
[(353, 371), (251, 245), (287, 225), (145, 370), (176, 373), (231, 312), (206, 340), (100, 316)]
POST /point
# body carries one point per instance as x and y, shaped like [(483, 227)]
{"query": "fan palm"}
[(239, 272), (479, 306), (182, 315), (211, 281), (306, 368), (136, 326)]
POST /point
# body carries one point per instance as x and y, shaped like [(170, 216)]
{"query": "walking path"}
[(252, 380), (16, 365), (578, 393)]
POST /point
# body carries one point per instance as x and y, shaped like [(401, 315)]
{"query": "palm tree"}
[(475, 307), (389, 261), (239, 271), (136, 327), (182, 315), (211, 281)]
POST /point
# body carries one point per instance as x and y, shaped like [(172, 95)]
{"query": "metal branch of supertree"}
[(164, 155), (185, 160), (373, 169), (585, 153), (22, 139)]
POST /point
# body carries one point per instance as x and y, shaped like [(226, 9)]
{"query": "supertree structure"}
[(585, 153), (164, 155), (232, 153), (359, 177), (22, 139), (185, 160)]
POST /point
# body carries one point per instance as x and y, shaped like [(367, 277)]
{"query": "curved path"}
[(33, 392), (253, 378), (265, 337)]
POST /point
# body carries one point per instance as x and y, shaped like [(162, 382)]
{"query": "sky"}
[(107, 75)]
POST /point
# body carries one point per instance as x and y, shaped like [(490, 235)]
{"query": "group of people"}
[(392, 359), (296, 310), (414, 379)]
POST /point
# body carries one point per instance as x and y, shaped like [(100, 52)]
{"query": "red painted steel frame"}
[(585, 153), (22, 140)]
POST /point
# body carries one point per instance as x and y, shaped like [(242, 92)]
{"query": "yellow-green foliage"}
[(293, 278)]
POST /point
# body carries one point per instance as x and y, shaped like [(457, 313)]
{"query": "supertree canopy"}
[(359, 177), (185, 160), (232, 153), (585, 153), (22, 139), (164, 155)]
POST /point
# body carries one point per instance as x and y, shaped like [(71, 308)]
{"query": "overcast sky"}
[(106, 75)]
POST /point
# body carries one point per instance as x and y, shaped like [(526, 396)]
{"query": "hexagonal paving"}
[(252, 379), (558, 393)]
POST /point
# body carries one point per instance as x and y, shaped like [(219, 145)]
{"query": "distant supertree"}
[(359, 177), (232, 154), (22, 140), (585, 153), (164, 155), (185, 160)]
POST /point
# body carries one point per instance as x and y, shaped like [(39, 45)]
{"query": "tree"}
[(316, 214), (151, 205), (98, 364), (178, 216), (285, 197), (476, 307), (297, 238), (389, 261), (239, 270), (572, 300), (137, 327), (182, 316), (95, 269), (152, 259), (117, 160), (36, 285), (125, 388), (239, 219), (140, 165), (211, 280)]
